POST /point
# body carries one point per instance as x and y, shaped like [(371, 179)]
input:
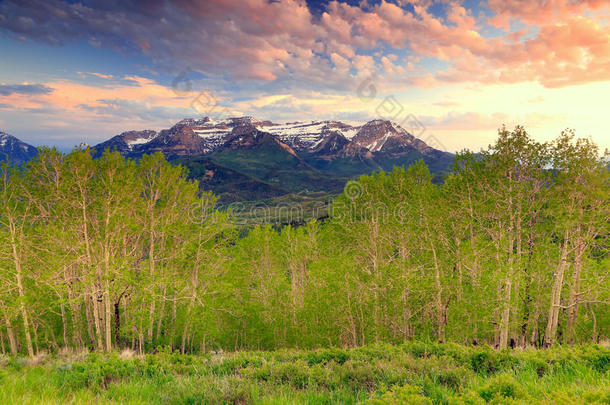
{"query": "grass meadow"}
[(412, 373)]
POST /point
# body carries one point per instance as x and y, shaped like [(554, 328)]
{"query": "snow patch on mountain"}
[(140, 141)]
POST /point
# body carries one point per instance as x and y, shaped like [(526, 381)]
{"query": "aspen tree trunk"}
[(505, 321), (64, 324), (475, 263), (10, 334), (551, 326), (496, 311), (352, 321), (108, 317), (161, 311), (20, 289), (89, 316), (97, 316), (194, 285), (35, 329), (75, 312), (508, 283), (151, 261), (440, 310), (171, 328), (141, 338), (92, 293), (527, 299), (375, 262), (575, 289), (186, 325), (106, 296), (594, 337)]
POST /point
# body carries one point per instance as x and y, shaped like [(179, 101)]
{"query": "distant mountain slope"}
[(14, 150), (228, 184)]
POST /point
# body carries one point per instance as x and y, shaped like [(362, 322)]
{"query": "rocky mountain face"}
[(14, 150), (248, 136)]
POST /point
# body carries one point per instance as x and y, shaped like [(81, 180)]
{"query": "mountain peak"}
[(15, 150), (192, 121)]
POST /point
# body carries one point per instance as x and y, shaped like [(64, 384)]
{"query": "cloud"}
[(27, 89), (540, 11), (130, 109), (282, 46)]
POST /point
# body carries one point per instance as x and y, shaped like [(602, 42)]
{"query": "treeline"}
[(512, 249)]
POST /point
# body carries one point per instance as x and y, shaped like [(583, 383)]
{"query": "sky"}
[(450, 71)]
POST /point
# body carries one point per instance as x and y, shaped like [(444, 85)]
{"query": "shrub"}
[(501, 386), (339, 356), (484, 362)]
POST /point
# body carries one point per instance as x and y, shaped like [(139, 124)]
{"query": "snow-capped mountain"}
[(308, 135), (387, 136), (191, 137), (14, 150)]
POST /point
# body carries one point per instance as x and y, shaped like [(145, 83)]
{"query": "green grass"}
[(413, 373)]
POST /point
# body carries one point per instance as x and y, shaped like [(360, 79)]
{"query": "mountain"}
[(191, 137), (126, 143), (242, 158), (385, 136), (14, 150)]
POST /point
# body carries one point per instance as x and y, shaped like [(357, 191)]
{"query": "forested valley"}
[(511, 249)]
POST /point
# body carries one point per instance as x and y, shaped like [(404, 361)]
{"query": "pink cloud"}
[(540, 11)]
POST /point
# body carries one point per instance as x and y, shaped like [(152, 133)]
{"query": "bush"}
[(484, 363), (339, 356), (502, 386)]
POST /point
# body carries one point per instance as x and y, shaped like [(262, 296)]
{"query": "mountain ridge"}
[(190, 137)]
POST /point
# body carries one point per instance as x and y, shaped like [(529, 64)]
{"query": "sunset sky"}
[(73, 72)]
